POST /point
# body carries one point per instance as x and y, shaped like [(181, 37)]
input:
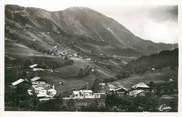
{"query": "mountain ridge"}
[(89, 25)]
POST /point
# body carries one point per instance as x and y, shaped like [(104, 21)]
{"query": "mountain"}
[(75, 48), (79, 29)]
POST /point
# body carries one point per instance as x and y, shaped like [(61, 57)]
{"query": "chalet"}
[(61, 83), (41, 89), (153, 69), (136, 93), (38, 83), (44, 99), (102, 88), (29, 91), (34, 65), (17, 82), (76, 94), (112, 87), (171, 80), (139, 89), (84, 94), (51, 92), (102, 84), (63, 53), (38, 69), (88, 59), (140, 85), (42, 93), (75, 55), (21, 84), (35, 78), (117, 89)]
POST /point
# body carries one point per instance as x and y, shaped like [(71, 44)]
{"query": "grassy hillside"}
[(155, 62)]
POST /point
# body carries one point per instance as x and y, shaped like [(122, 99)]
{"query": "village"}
[(45, 91)]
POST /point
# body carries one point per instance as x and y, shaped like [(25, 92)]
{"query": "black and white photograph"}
[(89, 56)]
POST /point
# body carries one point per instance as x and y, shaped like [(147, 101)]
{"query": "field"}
[(156, 77)]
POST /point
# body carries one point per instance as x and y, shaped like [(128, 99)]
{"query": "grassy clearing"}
[(156, 77)]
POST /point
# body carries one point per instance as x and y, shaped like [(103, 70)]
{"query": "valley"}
[(76, 49)]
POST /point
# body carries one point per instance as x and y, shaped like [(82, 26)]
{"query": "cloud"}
[(160, 32), (155, 23), (165, 13)]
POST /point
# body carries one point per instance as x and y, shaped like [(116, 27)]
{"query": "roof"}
[(52, 92), (116, 86), (102, 84), (17, 82), (38, 69), (120, 86), (42, 93), (86, 91), (39, 88), (82, 92), (38, 82), (100, 93), (44, 99), (140, 85), (32, 66), (76, 92), (35, 78), (111, 86)]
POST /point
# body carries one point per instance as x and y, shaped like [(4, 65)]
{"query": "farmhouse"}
[(34, 65), (102, 87), (35, 78), (136, 93), (41, 89), (140, 89), (84, 94), (38, 69), (117, 89), (140, 85), (17, 82)]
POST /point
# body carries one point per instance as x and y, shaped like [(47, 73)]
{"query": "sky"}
[(155, 21)]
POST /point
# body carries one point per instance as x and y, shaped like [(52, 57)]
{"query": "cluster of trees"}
[(123, 74), (93, 107), (95, 86), (148, 103), (18, 98), (131, 104), (166, 88), (72, 105), (85, 71)]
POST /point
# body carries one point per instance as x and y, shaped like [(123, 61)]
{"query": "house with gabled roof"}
[(139, 89), (84, 94), (140, 85), (17, 82), (136, 93), (35, 78), (34, 65), (117, 89)]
